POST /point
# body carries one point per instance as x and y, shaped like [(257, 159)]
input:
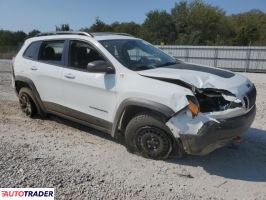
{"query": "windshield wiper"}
[(140, 68), (167, 64)]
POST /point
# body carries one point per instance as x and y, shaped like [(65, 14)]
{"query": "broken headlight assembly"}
[(213, 100)]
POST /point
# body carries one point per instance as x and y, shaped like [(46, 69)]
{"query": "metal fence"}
[(247, 59)]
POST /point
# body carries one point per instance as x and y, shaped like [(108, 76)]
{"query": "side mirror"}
[(100, 66)]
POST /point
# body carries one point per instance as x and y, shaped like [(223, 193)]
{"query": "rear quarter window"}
[(32, 50)]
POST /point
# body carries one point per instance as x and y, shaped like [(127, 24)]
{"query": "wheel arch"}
[(20, 82), (132, 106)]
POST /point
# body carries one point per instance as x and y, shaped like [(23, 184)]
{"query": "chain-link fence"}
[(247, 59)]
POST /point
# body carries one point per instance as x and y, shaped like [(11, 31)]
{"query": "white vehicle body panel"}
[(46, 77), (90, 93)]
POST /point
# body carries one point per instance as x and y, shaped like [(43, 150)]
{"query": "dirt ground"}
[(82, 163)]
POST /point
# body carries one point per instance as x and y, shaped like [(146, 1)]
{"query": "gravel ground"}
[(82, 163)]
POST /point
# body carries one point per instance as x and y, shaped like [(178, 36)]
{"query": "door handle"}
[(33, 68), (70, 76)]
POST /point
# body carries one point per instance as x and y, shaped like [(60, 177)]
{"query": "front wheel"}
[(149, 136)]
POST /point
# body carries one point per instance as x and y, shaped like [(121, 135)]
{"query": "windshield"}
[(137, 54)]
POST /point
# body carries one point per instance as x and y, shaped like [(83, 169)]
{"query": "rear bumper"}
[(213, 135)]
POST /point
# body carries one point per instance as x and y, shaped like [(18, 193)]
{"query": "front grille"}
[(250, 97)]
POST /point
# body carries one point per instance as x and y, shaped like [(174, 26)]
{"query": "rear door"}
[(46, 73), (92, 94)]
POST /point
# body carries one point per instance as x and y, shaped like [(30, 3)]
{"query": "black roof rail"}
[(65, 33), (81, 33), (109, 33)]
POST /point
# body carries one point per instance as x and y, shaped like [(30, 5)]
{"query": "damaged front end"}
[(212, 118)]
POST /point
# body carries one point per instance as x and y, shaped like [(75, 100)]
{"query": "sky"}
[(44, 15)]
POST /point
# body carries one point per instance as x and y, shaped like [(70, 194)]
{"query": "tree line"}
[(188, 23)]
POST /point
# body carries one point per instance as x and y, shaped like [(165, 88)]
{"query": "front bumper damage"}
[(223, 116), (202, 134)]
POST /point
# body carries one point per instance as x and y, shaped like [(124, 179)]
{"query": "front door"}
[(90, 96)]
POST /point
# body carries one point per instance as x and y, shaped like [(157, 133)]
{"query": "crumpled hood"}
[(201, 77)]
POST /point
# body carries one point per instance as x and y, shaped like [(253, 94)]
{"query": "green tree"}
[(62, 27), (99, 26), (180, 14), (158, 28), (8, 38), (250, 28), (199, 23), (33, 33), (19, 37), (126, 27), (206, 23)]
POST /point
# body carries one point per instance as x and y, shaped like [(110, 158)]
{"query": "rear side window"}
[(52, 51), (32, 51)]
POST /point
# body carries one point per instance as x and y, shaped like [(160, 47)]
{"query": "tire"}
[(148, 135), (26, 102)]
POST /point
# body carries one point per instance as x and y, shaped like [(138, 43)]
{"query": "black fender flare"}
[(151, 105), (36, 97)]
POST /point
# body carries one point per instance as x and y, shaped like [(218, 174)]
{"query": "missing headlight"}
[(211, 100)]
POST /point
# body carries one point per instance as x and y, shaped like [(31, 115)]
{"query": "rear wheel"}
[(149, 136), (26, 103)]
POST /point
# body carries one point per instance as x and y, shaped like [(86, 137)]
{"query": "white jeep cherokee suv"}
[(125, 86)]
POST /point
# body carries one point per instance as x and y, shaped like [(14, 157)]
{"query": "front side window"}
[(52, 51), (137, 54), (81, 53)]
